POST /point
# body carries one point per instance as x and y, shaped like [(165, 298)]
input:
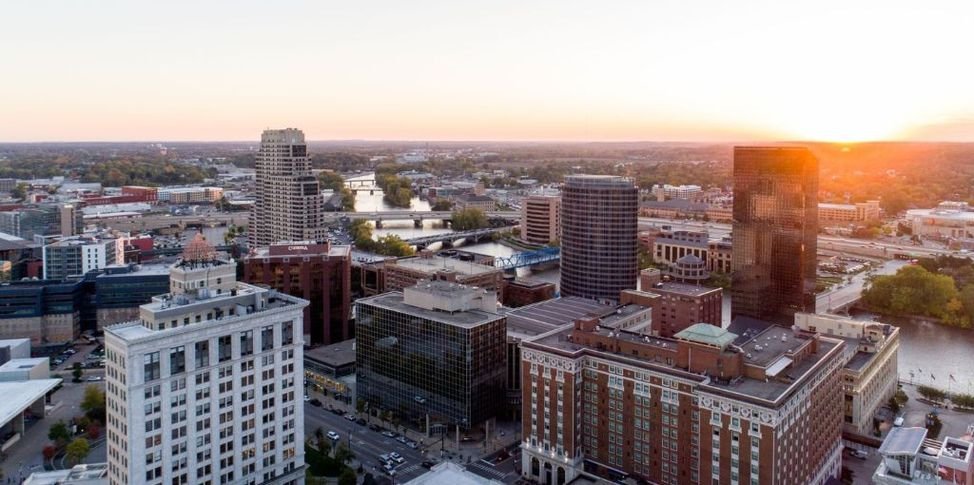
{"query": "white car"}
[(307, 398), (396, 457), (333, 436)]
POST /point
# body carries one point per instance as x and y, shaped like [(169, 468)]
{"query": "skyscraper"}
[(598, 241), (289, 205), (775, 231), (205, 387)]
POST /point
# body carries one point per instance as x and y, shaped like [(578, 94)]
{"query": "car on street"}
[(401, 439), (412, 444), (898, 421), (361, 421), (396, 457), (333, 436), (427, 464), (388, 434), (859, 454), (94, 378), (375, 427), (389, 468), (315, 402), (307, 398), (350, 417)]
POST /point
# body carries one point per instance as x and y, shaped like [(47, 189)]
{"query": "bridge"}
[(418, 217), (528, 258), (474, 235)]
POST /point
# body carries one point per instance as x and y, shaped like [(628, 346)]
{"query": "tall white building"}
[(206, 387), (289, 204)]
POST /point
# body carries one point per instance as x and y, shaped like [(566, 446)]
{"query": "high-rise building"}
[(598, 236), (706, 406), (775, 231), (541, 218), (319, 273), (289, 205), (206, 386), (433, 354)]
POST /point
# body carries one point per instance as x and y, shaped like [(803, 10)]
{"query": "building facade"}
[(77, 255), (119, 291), (318, 273), (949, 220), (870, 375), (680, 305), (598, 246), (42, 220), (541, 219), (206, 388), (44, 311), (702, 407), (518, 292), (848, 213), (405, 272), (667, 191), (775, 231), (433, 354), (289, 205)]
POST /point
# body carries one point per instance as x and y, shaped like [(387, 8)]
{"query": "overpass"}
[(475, 235), (419, 216), (528, 258)]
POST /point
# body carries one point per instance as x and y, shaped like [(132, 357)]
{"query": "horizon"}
[(556, 72)]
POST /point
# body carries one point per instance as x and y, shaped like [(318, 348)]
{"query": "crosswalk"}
[(487, 470), (407, 469)]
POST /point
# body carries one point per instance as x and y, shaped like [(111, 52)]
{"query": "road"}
[(839, 297)]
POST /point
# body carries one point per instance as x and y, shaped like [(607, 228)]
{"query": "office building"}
[(948, 221), (598, 240), (848, 213), (667, 191), (518, 292), (870, 374), (910, 457), (541, 219), (775, 231), (679, 305), (432, 354), (289, 205), (206, 386), (318, 273), (77, 255), (706, 406), (41, 220), (119, 291), (474, 201), (405, 272), (44, 311), (189, 195)]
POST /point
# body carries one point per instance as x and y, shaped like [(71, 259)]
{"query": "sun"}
[(846, 123)]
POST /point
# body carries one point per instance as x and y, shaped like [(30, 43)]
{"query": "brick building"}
[(319, 273), (518, 292), (405, 272), (707, 406)]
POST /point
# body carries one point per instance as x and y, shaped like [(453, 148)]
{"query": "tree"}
[(77, 450), (931, 393), (360, 405), (77, 372), (469, 219), (93, 403), (963, 400), (59, 433), (911, 291), (348, 477), (343, 454), (442, 204), (93, 431), (20, 191)]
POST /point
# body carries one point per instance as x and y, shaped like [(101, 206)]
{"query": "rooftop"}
[(336, 355), (436, 263), (395, 301), (705, 333), (86, 474), (903, 441), (681, 288), (452, 474), (19, 395), (542, 317)]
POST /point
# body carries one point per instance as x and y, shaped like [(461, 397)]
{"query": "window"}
[(223, 348), (202, 354), (267, 338), (247, 343), (177, 360), (150, 363), (287, 333)]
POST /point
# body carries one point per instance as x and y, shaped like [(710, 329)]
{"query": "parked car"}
[(389, 468), (859, 454), (898, 421), (361, 421), (350, 417), (94, 378), (315, 402), (396, 457), (375, 427), (427, 464), (333, 436), (388, 434)]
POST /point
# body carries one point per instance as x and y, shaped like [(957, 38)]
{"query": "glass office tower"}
[(775, 231), (432, 353)]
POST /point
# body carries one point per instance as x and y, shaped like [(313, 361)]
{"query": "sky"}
[(653, 70)]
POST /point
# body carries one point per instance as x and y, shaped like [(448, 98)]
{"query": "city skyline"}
[(441, 71)]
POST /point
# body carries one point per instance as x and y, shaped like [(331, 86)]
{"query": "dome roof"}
[(689, 260)]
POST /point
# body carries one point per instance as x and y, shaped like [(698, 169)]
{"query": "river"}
[(373, 202)]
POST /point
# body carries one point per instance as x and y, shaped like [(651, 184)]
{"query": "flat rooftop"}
[(336, 355), (437, 263), (22, 364), (545, 316), (681, 289), (143, 270), (19, 395), (394, 301)]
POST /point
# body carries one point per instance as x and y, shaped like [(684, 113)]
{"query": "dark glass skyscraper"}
[(598, 240), (775, 231)]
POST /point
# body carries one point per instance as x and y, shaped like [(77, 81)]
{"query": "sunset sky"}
[(657, 70)]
